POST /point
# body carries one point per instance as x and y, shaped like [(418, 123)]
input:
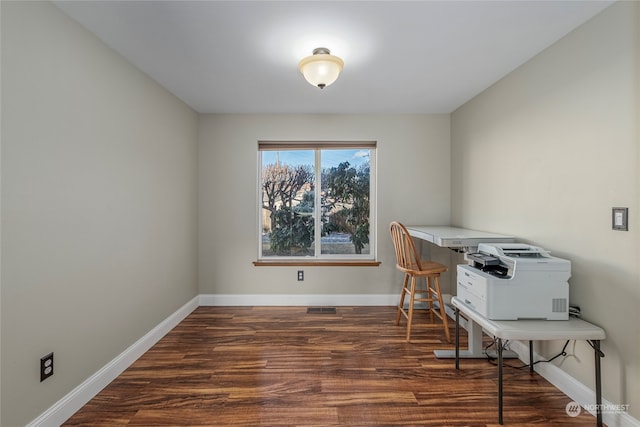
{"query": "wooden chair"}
[(408, 261)]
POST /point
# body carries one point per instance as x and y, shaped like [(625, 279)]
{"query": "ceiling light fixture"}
[(321, 69)]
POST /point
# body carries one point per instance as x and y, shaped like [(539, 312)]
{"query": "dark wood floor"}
[(243, 366)]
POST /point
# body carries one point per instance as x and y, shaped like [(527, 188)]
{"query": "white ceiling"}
[(400, 56)]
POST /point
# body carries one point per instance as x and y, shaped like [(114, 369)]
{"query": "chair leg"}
[(402, 295), (411, 302), (443, 312), (430, 296)]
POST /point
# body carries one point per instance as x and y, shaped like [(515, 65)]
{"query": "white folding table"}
[(533, 330)]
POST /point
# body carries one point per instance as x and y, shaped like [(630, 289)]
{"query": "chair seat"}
[(425, 268)]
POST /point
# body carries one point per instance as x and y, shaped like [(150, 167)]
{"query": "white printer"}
[(513, 281)]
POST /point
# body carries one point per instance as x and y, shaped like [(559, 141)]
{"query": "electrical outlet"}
[(46, 366), (300, 275)]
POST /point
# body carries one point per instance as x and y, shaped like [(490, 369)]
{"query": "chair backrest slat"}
[(406, 253)]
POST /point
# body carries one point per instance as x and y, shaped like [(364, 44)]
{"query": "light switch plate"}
[(620, 219)]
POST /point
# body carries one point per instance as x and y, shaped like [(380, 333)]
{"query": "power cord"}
[(492, 359)]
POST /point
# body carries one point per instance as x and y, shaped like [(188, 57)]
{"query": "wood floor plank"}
[(279, 366)]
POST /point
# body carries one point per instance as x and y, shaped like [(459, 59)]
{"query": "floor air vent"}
[(321, 310)]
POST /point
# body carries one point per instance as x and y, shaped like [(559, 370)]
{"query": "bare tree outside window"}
[(287, 205)]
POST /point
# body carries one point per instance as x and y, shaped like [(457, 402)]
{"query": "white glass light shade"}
[(321, 69)]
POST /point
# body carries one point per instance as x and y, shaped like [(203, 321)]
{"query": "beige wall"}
[(544, 155), (98, 205), (412, 182)]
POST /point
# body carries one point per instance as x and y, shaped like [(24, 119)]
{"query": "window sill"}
[(317, 263)]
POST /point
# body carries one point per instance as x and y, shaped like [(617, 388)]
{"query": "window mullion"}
[(317, 211)]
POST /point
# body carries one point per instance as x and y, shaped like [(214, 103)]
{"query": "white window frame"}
[(318, 146)]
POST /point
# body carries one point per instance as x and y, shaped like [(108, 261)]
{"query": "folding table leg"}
[(530, 356), (457, 338), (599, 354), (500, 381)]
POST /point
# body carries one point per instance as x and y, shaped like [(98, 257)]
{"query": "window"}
[(296, 221)]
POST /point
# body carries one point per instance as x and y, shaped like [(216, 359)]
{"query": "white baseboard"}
[(298, 300), (578, 392), (78, 397)]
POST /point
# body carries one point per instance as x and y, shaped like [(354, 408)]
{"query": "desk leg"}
[(457, 338), (500, 381), (475, 348), (596, 348)]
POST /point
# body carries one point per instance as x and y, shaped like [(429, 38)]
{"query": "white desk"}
[(456, 238), (533, 330)]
